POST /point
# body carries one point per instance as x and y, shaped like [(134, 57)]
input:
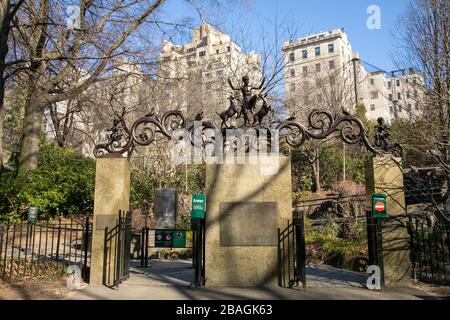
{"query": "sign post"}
[(198, 206), (379, 205)]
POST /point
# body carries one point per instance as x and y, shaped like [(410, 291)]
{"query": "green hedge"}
[(63, 184)]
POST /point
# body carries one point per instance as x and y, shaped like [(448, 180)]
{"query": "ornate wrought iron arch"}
[(321, 125)]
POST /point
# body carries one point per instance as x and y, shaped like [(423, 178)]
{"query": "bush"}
[(63, 184)]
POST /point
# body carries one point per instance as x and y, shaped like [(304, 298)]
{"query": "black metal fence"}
[(292, 253), (430, 247), (117, 248), (43, 249)]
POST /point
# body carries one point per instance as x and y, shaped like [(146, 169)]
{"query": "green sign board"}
[(198, 206), (32, 214), (379, 209), (179, 239)]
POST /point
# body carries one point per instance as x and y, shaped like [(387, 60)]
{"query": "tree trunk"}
[(4, 32), (31, 133)]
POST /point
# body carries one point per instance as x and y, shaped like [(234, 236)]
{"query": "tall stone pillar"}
[(245, 206), (112, 194), (384, 175)]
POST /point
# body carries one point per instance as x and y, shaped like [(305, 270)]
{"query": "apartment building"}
[(395, 96), (319, 72), (193, 76)]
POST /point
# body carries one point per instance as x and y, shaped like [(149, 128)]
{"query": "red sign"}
[(379, 206)]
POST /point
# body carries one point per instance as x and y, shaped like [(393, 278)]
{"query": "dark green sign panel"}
[(179, 238), (379, 209), (32, 214), (164, 238), (198, 206)]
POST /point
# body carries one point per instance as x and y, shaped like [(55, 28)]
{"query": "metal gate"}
[(292, 253), (430, 247), (117, 248)]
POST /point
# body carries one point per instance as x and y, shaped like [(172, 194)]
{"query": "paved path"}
[(172, 280)]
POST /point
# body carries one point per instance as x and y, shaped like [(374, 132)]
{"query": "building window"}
[(304, 54), (217, 51), (389, 84), (229, 49), (372, 107), (331, 48), (331, 64), (292, 72), (292, 87), (417, 107), (400, 109), (317, 50), (305, 70), (374, 95), (332, 80), (415, 93), (219, 74), (318, 67), (208, 75), (202, 53), (399, 96), (398, 83), (409, 107), (372, 81), (391, 109), (390, 96), (292, 57)]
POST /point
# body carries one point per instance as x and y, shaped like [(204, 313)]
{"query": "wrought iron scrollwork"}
[(321, 125)]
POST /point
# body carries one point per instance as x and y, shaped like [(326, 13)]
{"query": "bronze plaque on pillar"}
[(251, 224)]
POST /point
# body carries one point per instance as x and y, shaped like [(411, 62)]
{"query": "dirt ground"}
[(34, 290)]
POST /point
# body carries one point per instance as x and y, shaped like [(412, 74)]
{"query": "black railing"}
[(43, 249), (117, 252), (430, 248), (292, 253)]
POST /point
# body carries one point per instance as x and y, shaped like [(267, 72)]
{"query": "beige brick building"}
[(193, 76)]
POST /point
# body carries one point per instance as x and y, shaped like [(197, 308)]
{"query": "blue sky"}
[(375, 46)]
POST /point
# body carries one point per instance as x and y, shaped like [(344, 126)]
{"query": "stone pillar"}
[(245, 206), (384, 175), (112, 193)]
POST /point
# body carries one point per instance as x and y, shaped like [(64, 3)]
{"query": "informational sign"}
[(179, 239), (164, 238), (198, 206), (32, 214), (379, 205)]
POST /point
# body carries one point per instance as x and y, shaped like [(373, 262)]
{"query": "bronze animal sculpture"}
[(229, 113), (264, 111)]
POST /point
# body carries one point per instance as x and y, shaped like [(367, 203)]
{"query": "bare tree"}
[(424, 33)]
